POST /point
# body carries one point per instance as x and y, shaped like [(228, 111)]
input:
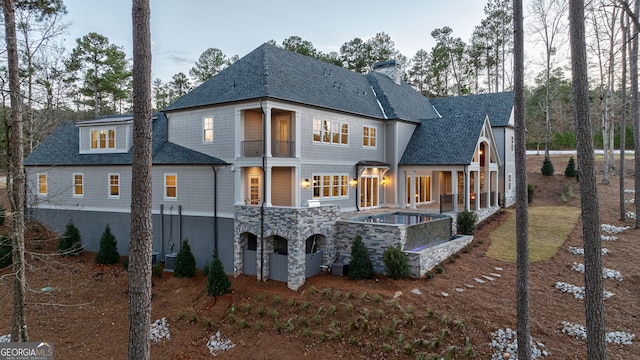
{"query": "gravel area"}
[(580, 251), (606, 273), (579, 331), (5, 338), (218, 343), (577, 291), (612, 229), (160, 330), (505, 346)]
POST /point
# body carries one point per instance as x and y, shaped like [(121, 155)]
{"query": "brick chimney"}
[(390, 68)]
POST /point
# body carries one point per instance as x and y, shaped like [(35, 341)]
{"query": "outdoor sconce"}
[(353, 182), (306, 183), (384, 181)]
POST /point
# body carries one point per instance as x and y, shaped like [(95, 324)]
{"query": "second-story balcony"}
[(254, 148)]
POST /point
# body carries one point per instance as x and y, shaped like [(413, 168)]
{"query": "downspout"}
[(466, 186), (264, 189), (162, 229), (215, 210), (180, 239)]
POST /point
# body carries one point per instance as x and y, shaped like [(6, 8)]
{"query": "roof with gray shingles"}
[(61, 148), (444, 141), (497, 106), (271, 72)]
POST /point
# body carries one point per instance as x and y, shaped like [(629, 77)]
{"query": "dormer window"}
[(103, 139)]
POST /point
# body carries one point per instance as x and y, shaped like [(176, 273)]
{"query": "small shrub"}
[(108, 253), (185, 262), (70, 242), (547, 167), (466, 222), (567, 194), (360, 266), (6, 258), (396, 262), (276, 299), (531, 192), (156, 270), (439, 269), (218, 282), (570, 170)]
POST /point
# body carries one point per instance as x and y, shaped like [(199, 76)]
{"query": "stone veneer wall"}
[(376, 237), (293, 224), (421, 262)]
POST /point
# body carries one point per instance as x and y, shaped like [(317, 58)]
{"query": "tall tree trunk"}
[(594, 298), (635, 107), (141, 231), (623, 115), (547, 100), (17, 181), (522, 211)]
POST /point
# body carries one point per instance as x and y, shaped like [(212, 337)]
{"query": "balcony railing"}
[(254, 148)]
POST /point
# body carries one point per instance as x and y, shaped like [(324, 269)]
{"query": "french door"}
[(369, 192)]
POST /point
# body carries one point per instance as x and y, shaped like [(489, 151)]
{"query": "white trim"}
[(109, 186), (126, 210), (73, 185), (46, 184), (375, 137), (204, 129), (168, 198)]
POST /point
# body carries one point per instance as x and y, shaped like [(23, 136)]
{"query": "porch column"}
[(467, 189), (476, 188), (298, 187), (496, 189), (298, 132), (487, 185), (412, 190), (238, 128), (454, 189), (240, 185), (267, 135), (267, 191)]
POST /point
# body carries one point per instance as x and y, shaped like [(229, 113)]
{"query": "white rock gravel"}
[(580, 251), (505, 346), (159, 330), (608, 238), (631, 215), (606, 273), (577, 291), (5, 338), (579, 331), (612, 229), (218, 343)]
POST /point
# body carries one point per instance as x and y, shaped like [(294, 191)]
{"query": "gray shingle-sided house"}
[(264, 158)]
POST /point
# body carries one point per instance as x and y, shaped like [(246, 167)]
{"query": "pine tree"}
[(185, 262), (360, 266), (217, 280), (396, 262), (547, 167), (570, 171), (70, 243), (108, 253)]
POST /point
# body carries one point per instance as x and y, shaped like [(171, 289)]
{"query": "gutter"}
[(215, 210)]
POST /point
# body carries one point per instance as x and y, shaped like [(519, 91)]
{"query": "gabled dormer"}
[(107, 135)]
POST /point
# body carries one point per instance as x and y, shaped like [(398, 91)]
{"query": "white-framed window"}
[(103, 139), (207, 129), (171, 186), (513, 144), (330, 186), (369, 136), (78, 185), (509, 182), (330, 132), (114, 186), (42, 184)]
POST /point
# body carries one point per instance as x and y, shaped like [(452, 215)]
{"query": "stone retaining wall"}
[(421, 262)]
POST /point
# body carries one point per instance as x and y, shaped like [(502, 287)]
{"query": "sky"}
[(182, 30)]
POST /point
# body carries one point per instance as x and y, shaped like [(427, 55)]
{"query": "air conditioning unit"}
[(340, 269), (170, 262)]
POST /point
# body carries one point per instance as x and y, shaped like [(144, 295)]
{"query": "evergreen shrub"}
[(108, 252), (396, 262), (185, 262), (217, 280), (360, 266)]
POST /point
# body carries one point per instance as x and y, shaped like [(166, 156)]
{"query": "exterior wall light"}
[(353, 182), (305, 183)]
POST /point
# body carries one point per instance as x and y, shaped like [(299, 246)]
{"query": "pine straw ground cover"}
[(85, 313)]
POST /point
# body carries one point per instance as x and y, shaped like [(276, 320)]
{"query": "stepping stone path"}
[(479, 281), (579, 331), (606, 273), (444, 294), (488, 277), (580, 251), (416, 291), (459, 290), (577, 291)]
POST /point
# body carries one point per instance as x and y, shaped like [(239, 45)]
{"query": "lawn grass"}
[(549, 227)]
